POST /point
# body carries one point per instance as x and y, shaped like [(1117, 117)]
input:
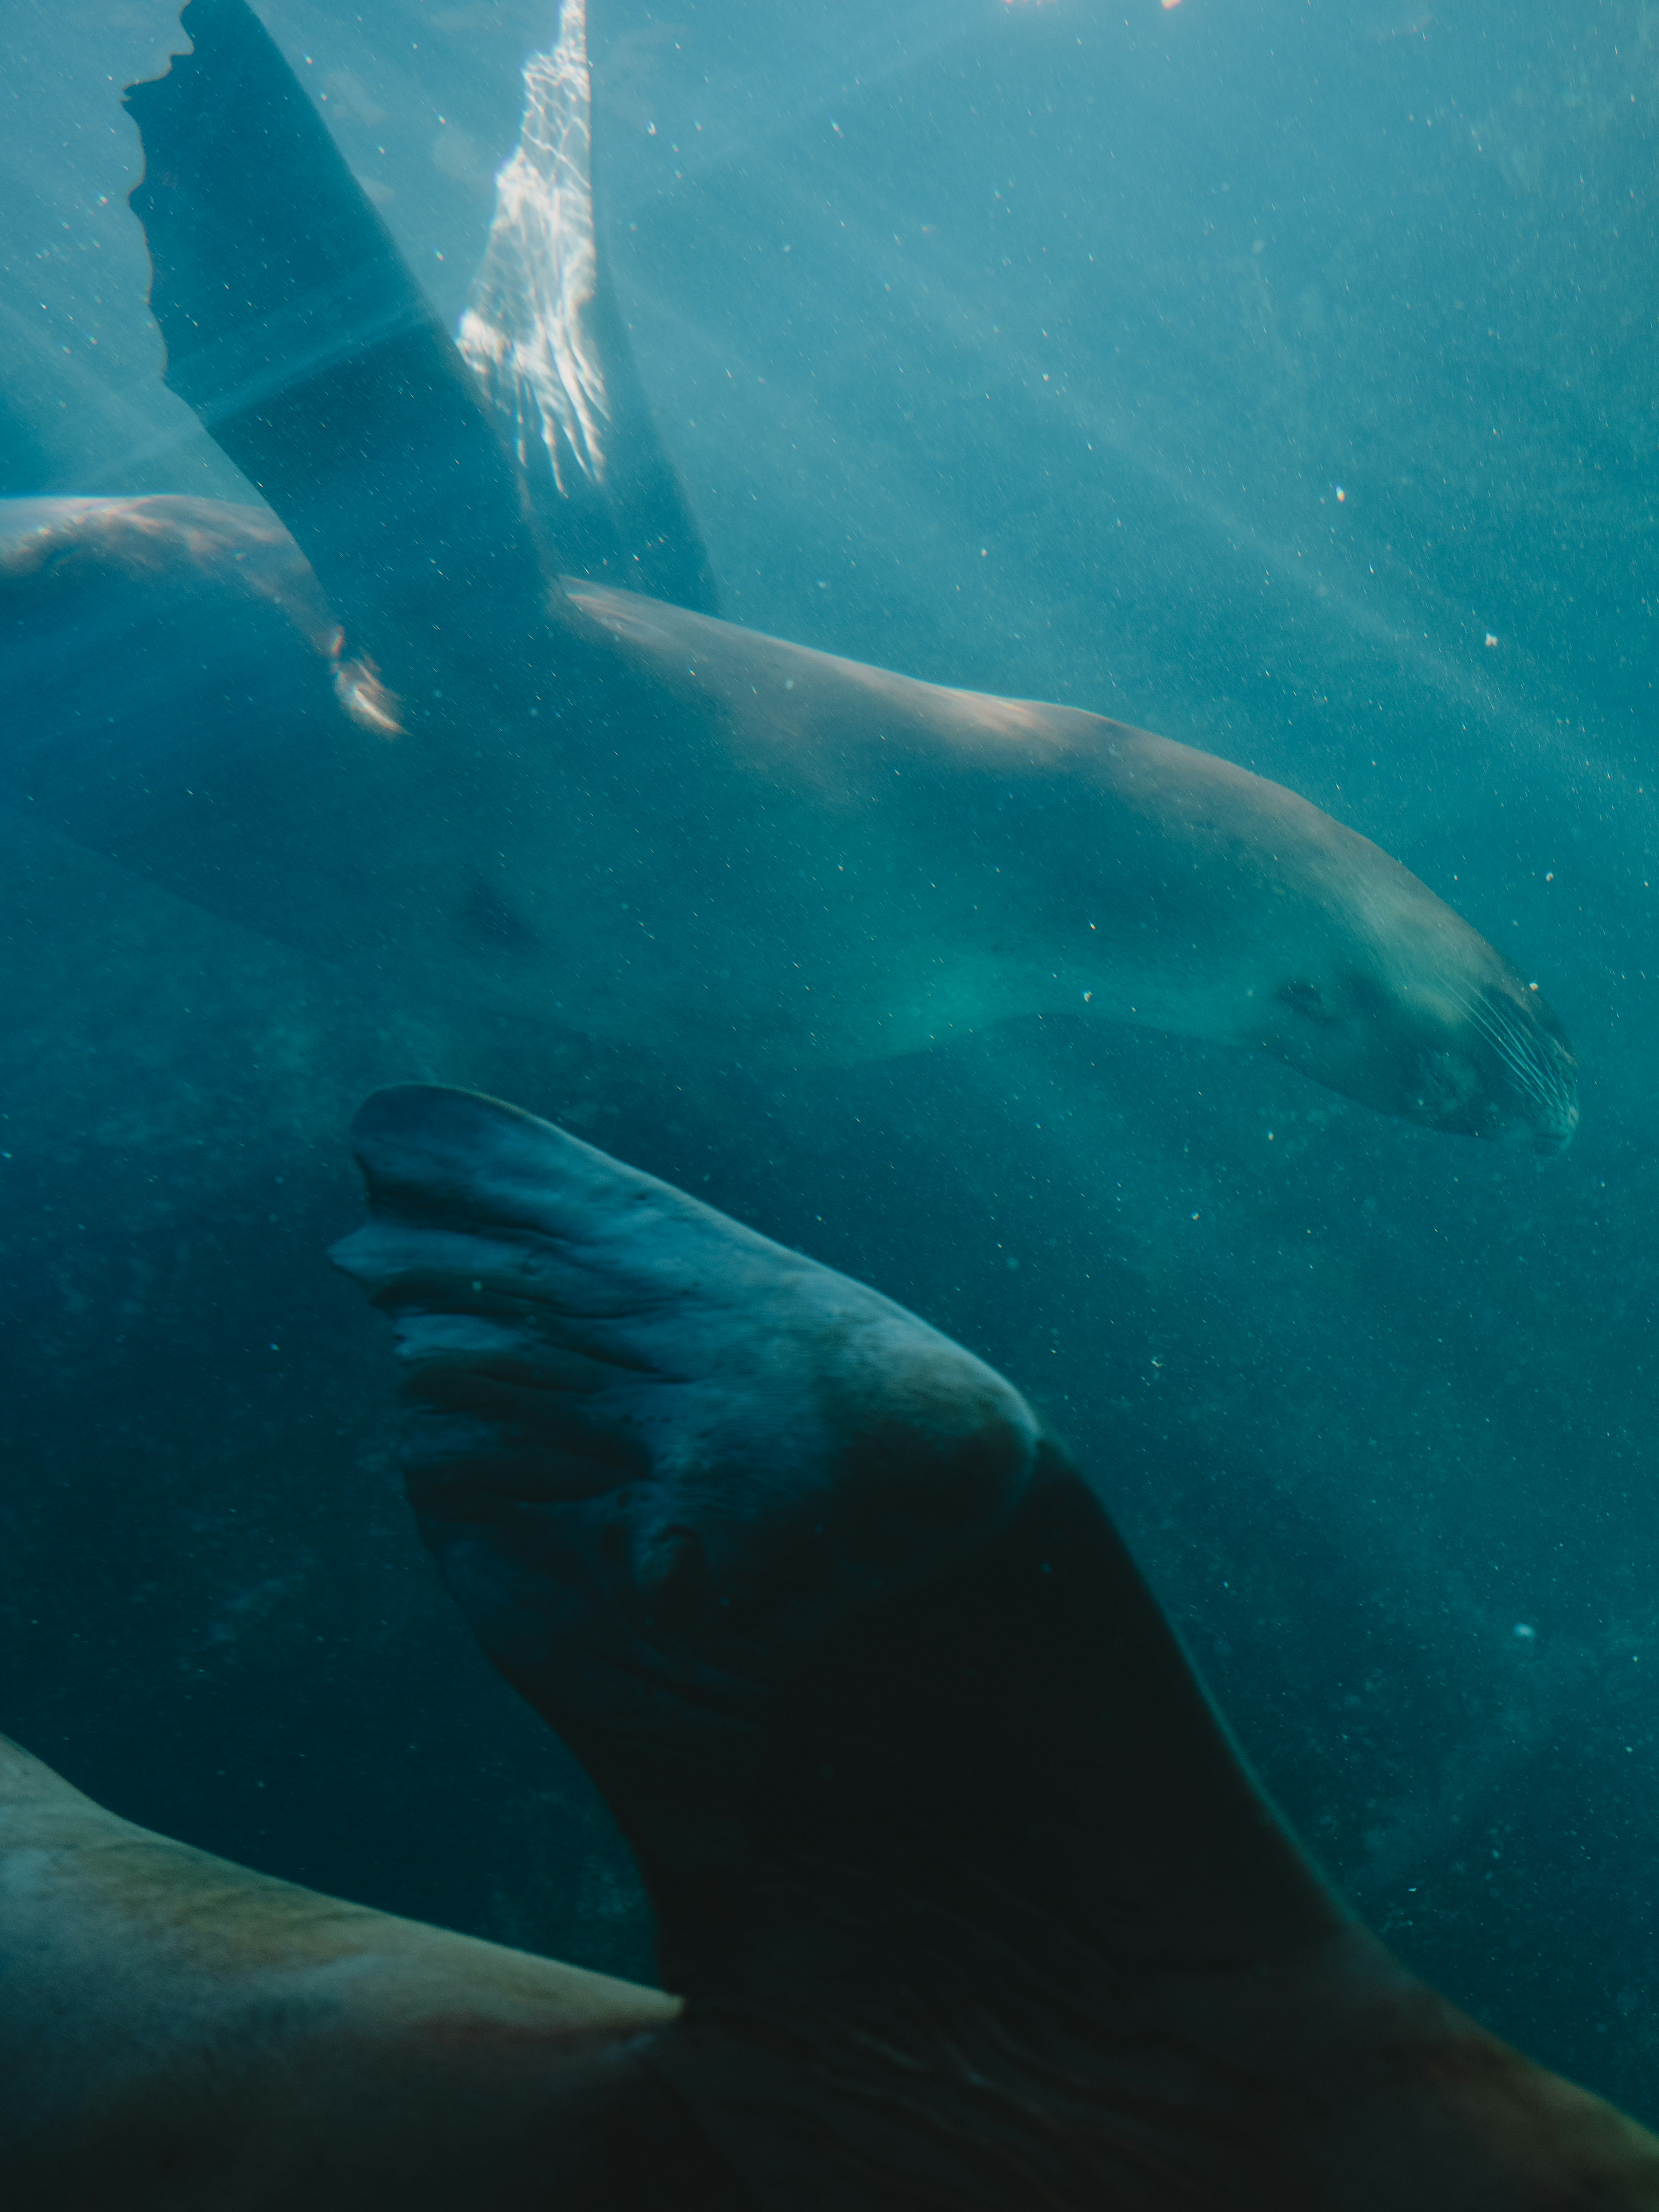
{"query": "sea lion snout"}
[(1499, 1068), (1480, 1056), (1528, 1077)]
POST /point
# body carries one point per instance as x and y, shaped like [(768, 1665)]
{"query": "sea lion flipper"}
[(701, 1497), (659, 1457), (972, 1899), (300, 337), (545, 332)]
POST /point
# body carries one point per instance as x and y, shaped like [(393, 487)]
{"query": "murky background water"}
[(1021, 347)]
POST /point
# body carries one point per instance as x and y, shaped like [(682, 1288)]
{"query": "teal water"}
[(1023, 347)]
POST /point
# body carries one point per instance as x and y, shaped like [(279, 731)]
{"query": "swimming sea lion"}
[(967, 1898), (620, 813)]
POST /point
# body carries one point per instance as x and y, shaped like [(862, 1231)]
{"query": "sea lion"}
[(966, 1897), (616, 812)]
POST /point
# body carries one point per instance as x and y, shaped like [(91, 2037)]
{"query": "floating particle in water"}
[(1525, 1631), (1492, 637), (1341, 493)]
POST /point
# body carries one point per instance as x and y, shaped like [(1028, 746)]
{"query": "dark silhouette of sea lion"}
[(607, 810), (966, 1898)]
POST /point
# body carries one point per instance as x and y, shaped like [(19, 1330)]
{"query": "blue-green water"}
[(1022, 348)]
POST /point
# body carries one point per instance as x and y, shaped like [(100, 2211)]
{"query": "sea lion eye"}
[(1306, 998)]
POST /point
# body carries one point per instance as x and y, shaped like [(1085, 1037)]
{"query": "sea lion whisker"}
[(1538, 1067), (1502, 1049), (1519, 1065), (1498, 1018), (1519, 1052)]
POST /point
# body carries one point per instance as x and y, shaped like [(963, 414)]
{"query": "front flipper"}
[(178, 2035), (976, 1905), (297, 334), (661, 1461), (545, 332)]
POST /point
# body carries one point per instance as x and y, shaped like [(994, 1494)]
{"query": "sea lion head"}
[(1415, 1014)]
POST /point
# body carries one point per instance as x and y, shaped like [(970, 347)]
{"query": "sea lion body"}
[(182, 2034), (411, 739), (976, 858), (747, 850)]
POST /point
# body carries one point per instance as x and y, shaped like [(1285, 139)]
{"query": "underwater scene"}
[(1270, 1100)]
